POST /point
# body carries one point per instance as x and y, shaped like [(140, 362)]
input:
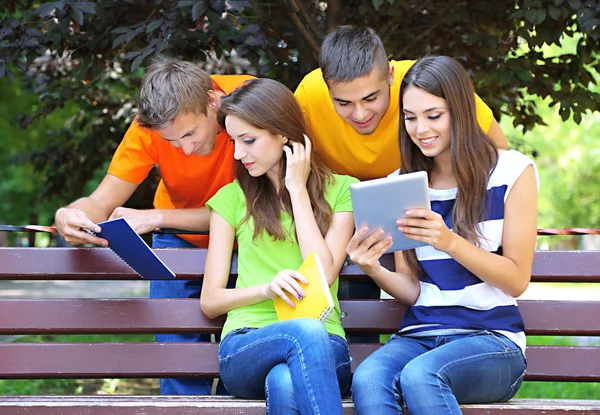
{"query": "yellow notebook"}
[(317, 303)]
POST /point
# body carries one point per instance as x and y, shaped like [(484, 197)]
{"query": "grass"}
[(547, 390)]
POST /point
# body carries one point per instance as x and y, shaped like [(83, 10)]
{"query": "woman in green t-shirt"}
[(283, 205)]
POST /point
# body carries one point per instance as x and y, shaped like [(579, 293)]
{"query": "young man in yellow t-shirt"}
[(351, 105), (176, 128), (352, 109)]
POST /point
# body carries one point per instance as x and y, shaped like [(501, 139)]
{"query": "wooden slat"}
[(143, 315), (103, 264), (223, 405), (132, 360)]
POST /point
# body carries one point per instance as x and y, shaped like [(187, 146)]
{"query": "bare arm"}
[(330, 248), (510, 271), (497, 135), (88, 211), (401, 284), (147, 220), (216, 299)]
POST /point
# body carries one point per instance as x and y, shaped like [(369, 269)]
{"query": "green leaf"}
[(76, 15), (531, 15), (119, 40), (154, 25), (85, 7), (576, 4), (554, 12), (198, 10), (120, 30), (45, 9), (136, 62), (185, 3), (540, 16), (377, 4)]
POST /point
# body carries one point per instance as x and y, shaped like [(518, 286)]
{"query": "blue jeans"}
[(432, 375), (295, 365), (180, 289)]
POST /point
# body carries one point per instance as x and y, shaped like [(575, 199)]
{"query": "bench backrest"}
[(142, 315)]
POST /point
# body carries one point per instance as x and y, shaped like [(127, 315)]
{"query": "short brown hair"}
[(351, 52), (169, 88)]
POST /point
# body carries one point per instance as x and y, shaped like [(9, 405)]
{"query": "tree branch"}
[(334, 10), (300, 26)]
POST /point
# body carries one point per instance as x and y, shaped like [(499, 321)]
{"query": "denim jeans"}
[(432, 375), (295, 365), (180, 289)]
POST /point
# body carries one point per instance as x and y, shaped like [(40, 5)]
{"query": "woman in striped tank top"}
[(462, 337)]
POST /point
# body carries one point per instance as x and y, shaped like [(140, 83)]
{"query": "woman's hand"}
[(287, 281), (366, 254), (424, 225), (298, 165)]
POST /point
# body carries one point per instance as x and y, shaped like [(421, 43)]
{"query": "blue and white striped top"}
[(453, 299)]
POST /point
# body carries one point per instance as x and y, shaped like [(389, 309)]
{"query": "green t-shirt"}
[(260, 260)]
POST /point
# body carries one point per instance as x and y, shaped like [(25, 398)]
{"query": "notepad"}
[(131, 248), (317, 303)]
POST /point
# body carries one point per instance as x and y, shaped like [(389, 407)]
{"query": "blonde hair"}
[(169, 88)]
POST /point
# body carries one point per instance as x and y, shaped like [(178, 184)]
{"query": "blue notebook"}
[(132, 249)]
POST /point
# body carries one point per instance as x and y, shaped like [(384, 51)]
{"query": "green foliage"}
[(568, 160), (90, 57)]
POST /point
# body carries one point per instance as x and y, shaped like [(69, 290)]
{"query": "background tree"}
[(89, 57)]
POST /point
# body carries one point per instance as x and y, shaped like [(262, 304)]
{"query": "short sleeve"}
[(226, 202), (136, 155), (340, 193), (484, 114)]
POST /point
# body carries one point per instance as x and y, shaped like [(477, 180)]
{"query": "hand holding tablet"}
[(379, 203)]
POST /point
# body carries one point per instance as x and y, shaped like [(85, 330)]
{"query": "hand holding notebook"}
[(132, 249), (318, 302)]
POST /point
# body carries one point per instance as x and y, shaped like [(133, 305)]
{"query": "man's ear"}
[(391, 75), (214, 101)]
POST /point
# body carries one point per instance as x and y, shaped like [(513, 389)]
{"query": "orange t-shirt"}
[(187, 182)]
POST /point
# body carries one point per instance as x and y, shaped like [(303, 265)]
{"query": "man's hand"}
[(142, 221), (70, 224)]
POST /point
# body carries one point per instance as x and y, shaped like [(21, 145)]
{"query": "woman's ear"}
[(283, 139)]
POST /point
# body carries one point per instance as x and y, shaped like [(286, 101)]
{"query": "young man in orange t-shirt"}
[(176, 128)]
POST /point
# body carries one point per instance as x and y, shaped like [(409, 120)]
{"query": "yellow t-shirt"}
[(344, 150)]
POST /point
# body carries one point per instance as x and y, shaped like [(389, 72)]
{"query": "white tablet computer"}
[(380, 203)]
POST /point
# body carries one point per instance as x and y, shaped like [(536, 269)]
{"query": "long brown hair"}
[(269, 105), (474, 155)]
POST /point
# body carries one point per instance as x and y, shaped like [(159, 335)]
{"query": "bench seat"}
[(18, 360)]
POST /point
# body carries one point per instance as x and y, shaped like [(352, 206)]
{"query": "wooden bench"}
[(153, 360)]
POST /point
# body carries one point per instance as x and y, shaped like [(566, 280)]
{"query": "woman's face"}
[(259, 151), (427, 121)]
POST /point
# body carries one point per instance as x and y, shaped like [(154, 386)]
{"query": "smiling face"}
[(259, 151), (427, 121), (363, 102), (192, 133)]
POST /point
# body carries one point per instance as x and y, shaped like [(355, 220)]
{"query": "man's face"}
[(193, 133), (363, 101)]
